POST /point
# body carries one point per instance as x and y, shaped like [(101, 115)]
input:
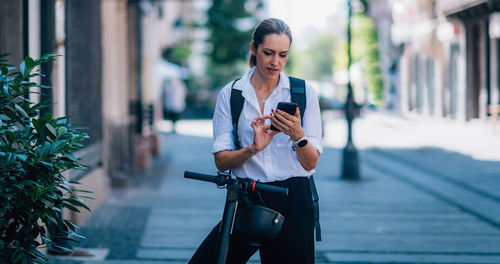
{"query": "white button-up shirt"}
[(278, 161)]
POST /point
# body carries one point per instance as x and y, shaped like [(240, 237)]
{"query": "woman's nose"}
[(274, 60)]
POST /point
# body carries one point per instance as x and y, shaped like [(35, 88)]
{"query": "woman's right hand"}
[(262, 137)]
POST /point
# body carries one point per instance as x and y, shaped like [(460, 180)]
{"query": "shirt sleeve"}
[(312, 120), (222, 124)]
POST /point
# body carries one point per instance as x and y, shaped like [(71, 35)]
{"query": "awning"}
[(468, 8)]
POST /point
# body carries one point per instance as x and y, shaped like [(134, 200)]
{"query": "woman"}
[(283, 158)]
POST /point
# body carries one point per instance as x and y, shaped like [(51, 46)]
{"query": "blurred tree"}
[(364, 47), (231, 27), (178, 53), (316, 62)]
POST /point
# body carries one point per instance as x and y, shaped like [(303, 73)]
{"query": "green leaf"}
[(83, 191), (24, 70), (78, 203), (61, 131), (55, 147), (70, 224), (60, 248), (22, 157), (70, 156), (48, 164), (36, 253), (71, 207), (85, 196), (5, 90), (52, 220), (48, 56), (46, 202), (72, 184), (21, 110), (30, 64), (51, 129), (16, 256), (66, 189), (46, 240), (74, 234)]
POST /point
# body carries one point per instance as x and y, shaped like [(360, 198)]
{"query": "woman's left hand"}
[(288, 124)]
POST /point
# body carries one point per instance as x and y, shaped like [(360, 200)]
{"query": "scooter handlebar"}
[(215, 179)]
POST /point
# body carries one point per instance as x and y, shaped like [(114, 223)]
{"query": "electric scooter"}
[(235, 187)]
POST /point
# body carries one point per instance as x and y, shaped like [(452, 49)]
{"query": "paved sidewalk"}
[(419, 204)]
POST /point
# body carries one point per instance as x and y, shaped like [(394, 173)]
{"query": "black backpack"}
[(297, 95)]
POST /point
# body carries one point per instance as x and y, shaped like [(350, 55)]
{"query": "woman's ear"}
[(252, 48)]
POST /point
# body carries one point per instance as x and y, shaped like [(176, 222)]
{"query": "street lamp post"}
[(350, 162)]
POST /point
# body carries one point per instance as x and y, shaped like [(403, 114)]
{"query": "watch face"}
[(302, 143)]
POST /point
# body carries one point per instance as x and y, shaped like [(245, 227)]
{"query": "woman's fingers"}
[(258, 120), (273, 132), (286, 123), (284, 117), (278, 124), (297, 113)]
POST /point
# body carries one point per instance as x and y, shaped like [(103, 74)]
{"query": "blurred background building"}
[(449, 59), (106, 77)]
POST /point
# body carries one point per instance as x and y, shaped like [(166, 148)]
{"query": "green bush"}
[(34, 152)]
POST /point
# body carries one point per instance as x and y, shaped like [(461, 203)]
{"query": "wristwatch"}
[(300, 142)]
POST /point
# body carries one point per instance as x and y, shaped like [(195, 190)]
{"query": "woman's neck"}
[(265, 84)]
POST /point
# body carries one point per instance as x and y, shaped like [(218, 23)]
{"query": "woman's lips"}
[(272, 70)]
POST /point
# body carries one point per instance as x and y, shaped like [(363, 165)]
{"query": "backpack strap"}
[(237, 102), (298, 94), (315, 198)]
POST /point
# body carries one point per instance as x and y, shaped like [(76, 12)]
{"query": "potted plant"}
[(35, 151)]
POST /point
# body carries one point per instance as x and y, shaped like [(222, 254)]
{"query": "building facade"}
[(449, 61), (105, 80)]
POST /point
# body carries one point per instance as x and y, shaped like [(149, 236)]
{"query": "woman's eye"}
[(267, 53), (283, 55)]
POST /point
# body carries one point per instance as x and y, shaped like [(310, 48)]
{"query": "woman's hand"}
[(230, 159), (288, 124), (291, 125), (262, 137)]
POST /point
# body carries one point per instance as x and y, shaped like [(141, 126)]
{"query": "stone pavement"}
[(420, 204)]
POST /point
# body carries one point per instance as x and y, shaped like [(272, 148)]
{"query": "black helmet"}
[(258, 224)]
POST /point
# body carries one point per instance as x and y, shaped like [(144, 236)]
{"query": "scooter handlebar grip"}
[(199, 176), (270, 188)]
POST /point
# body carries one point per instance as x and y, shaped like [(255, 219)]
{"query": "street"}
[(430, 193)]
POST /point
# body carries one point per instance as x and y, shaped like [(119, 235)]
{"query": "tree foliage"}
[(364, 48), (229, 41), (316, 62)]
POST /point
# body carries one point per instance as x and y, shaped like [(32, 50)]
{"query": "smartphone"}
[(287, 107)]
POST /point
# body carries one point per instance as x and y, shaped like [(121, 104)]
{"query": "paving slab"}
[(410, 258)]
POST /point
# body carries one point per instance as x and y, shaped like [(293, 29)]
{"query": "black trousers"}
[(293, 244)]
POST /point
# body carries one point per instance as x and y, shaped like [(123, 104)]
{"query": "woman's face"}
[(271, 55)]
